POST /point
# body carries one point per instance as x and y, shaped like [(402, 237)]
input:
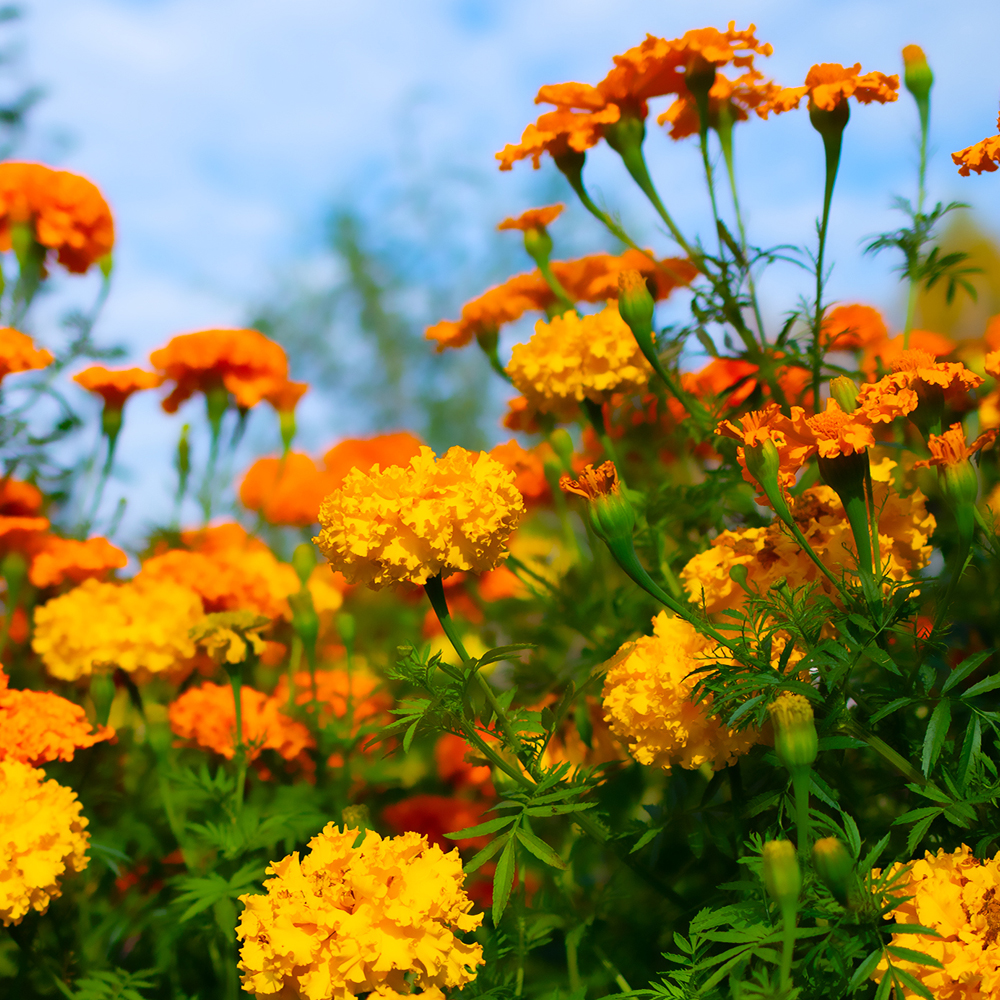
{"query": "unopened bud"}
[(635, 304), (917, 73), (626, 135), (834, 866), (538, 244), (106, 264), (611, 515), (845, 391), (795, 739), (111, 422), (304, 561), (782, 877), (738, 574)]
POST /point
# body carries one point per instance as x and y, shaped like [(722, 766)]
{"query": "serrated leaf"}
[(882, 993), (970, 748), (853, 835), (503, 880), (937, 730), (874, 854), (865, 969), (966, 667), (502, 653), (410, 733), (917, 833), (986, 684), (484, 855), (914, 814), (908, 929), (541, 850), (646, 838), (912, 983), (893, 706), (559, 810), (490, 826), (917, 957)]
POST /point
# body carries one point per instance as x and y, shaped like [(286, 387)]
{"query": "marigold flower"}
[(533, 218), (451, 756), (835, 432), (982, 156), (19, 499), (346, 920), (528, 468), (738, 97), (950, 448), (954, 894), (285, 396), (648, 700), (66, 212), (880, 354), (244, 362), (587, 279), (847, 328), (38, 726), (206, 716), (18, 352), (573, 357), (432, 816), (339, 693), (435, 516), (285, 490), (43, 838), (719, 376), (61, 560), (364, 454), (830, 84), (139, 626), (115, 386)]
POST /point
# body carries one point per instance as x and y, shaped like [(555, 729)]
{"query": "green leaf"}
[(937, 730), (966, 667), (970, 748), (986, 684), (908, 929), (914, 814), (410, 733), (917, 833), (874, 854), (884, 987), (503, 880), (893, 706), (559, 810), (541, 850), (840, 743), (484, 855), (502, 653), (917, 957), (646, 838), (490, 826), (865, 969), (912, 983)]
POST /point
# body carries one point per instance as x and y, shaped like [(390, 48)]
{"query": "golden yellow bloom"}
[(648, 700), (380, 918), (955, 894), (43, 836), (434, 516), (226, 635), (142, 625), (573, 357)]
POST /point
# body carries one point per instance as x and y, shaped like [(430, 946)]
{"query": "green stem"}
[(924, 108), (789, 915), (886, 752), (236, 680), (801, 778)]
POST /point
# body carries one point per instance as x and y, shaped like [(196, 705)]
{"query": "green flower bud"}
[(845, 391), (635, 305), (917, 73), (834, 866), (626, 135), (795, 739), (611, 515), (538, 244), (782, 877), (111, 422), (830, 124), (304, 561)]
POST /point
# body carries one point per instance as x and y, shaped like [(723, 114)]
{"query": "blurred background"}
[(324, 171)]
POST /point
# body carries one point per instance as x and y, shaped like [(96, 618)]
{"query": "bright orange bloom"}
[(950, 448), (206, 715), (436, 815), (883, 353), (114, 387), (835, 432), (653, 68), (285, 396), (528, 468), (66, 212), (61, 560), (383, 450), (739, 97), (286, 490), (719, 376), (18, 352), (22, 534), (38, 726), (245, 362), (983, 156), (830, 84), (19, 499), (992, 364), (847, 328), (499, 584), (451, 755), (587, 279), (534, 218), (369, 700)]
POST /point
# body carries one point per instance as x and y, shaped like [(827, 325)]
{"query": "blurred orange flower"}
[(528, 468), (534, 218), (19, 499), (339, 693), (61, 560), (286, 490), (983, 156), (18, 352), (67, 213), (436, 815), (245, 362), (451, 754), (383, 450), (847, 328), (739, 97), (830, 84), (285, 396), (115, 387), (882, 353)]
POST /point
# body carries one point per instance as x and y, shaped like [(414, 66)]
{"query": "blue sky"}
[(220, 130)]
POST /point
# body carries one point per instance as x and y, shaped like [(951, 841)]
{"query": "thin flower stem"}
[(801, 778), (832, 142), (924, 109), (789, 915), (236, 680)]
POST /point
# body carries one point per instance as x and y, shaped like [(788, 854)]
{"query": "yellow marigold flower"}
[(573, 357), (42, 837), (982, 156), (955, 894), (38, 726), (829, 84), (434, 516), (228, 636), (19, 354), (648, 700), (380, 918), (141, 626)]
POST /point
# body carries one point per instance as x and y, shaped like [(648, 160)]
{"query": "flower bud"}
[(304, 561), (538, 244), (763, 463), (635, 304), (959, 482), (917, 73), (611, 515), (845, 391), (834, 866), (795, 739), (106, 264), (216, 404), (738, 574), (782, 877), (830, 124), (626, 135)]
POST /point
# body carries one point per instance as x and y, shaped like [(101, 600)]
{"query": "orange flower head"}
[(339, 694), (534, 218), (720, 376), (365, 454), (244, 362), (528, 468), (828, 85), (115, 387), (950, 448), (847, 328), (737, 97), (67, 214), (37, 727), (434, 816), (983, 156), (593, 483), (879, 355), (838, 433), (560, 132), (67, 560), (285, 490), (19, 499), (451, 756), (18, 352), (285, 396)]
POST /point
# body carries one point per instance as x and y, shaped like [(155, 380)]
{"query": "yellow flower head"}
[(573, 357), (42, 838), (345, 920), (648, 700), (142, 625), (227, 634), (410, 523), (955, 894)]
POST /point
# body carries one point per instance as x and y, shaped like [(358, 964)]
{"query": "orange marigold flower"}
[(245, 362), (22, 534), (61, 560), (19, 499), (950, 447), (433, 816), (358, 694), (520, 416), (115, 387), (835, 432), (737, 97), (451, 756), (534, 218), (528, 468), (37, 727), (983, 156), (206, 716), (285, 396), (285, 490), (880, 354), (558, 133), (992, 364), (830, 84), (847, 328), (18, 352), (721, 375), (365, 454), (67, 213)]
